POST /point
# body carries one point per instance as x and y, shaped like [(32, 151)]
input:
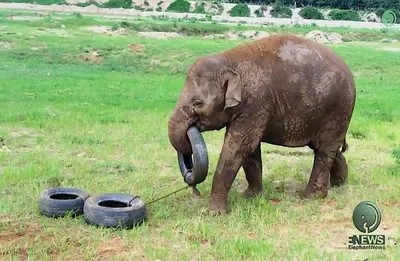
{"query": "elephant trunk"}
[(178, 125)]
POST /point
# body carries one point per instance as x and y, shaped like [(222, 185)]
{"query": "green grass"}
[(101, 125)]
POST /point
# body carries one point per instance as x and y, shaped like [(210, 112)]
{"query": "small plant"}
[(281, 11), (200, 8), (396, 155), (208, 17), (310, 12), (179, 6), (259, 12), (146, 3), (77, 15), (159, 9), (347, 15), (240, 10)]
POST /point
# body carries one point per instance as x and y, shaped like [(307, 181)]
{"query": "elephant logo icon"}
[(366, 217)]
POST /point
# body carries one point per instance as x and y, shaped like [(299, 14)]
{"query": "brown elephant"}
[(282, 90)]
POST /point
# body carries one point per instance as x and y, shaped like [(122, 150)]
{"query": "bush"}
[(348, 15), (216, 8), (310, 12), (259, 12), (241, 10), (396, 155), (127, 4), (379, 12), (200, 8), (179, 6), (281, 12)]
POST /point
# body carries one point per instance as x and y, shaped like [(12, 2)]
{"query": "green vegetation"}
[(259, 12), (216, 8), (279, 11), (89, 110), (240, 10), (179, 6), (127, 4), (200, 8), (349, 15), (310, 12)]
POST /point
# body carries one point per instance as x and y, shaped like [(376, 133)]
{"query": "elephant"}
[(281, 90)]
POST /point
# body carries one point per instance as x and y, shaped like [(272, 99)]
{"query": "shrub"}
[(259, 12), (138, 7), (241, 10), (396, 155), (216, 8), (310, 12), (379, 12), (281, 12), (179, 6), (200, 8), (127, 4), (348, 15)]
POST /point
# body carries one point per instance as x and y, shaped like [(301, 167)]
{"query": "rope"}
[(155, 200)]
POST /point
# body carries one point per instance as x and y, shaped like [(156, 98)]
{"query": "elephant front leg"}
[(252, 167), (241, 139)]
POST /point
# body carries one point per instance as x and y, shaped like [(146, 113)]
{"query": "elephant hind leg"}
[(252, 167), (339, 170), (317, 186)]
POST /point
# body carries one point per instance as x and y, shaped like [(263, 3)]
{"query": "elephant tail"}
[(345, 146)]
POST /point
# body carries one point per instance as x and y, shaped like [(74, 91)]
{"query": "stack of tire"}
[(104, 210)]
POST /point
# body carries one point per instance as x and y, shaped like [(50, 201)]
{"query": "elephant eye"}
[(198, 103)]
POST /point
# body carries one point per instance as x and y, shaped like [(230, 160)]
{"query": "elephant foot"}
[(339, 171), (338, 181), (252, 192), (217, 208), (311, 193)]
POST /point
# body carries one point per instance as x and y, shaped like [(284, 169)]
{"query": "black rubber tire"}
[(117, 216), (59, 202), (194, 171)]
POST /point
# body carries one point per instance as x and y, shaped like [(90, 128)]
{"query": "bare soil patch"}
[(93, 56), (5, 45), (136, 48), (391, 49), (23, 18), (324, 38), (251, 34), (107, 30), (160, 35)]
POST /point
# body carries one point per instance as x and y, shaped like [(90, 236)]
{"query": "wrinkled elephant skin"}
[(282, 90)]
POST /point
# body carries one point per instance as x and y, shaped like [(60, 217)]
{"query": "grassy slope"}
[(102, 127)]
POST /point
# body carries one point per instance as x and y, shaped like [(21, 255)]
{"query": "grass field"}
[(90, 111)]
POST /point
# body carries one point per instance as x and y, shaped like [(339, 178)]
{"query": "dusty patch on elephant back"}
[(324, 38), (107, 30), (160, 35), (94, 56)]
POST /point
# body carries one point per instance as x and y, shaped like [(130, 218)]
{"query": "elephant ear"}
[(233, 93)]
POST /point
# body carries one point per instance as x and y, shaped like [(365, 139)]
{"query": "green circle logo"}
[(366, 217), (389, 18)]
